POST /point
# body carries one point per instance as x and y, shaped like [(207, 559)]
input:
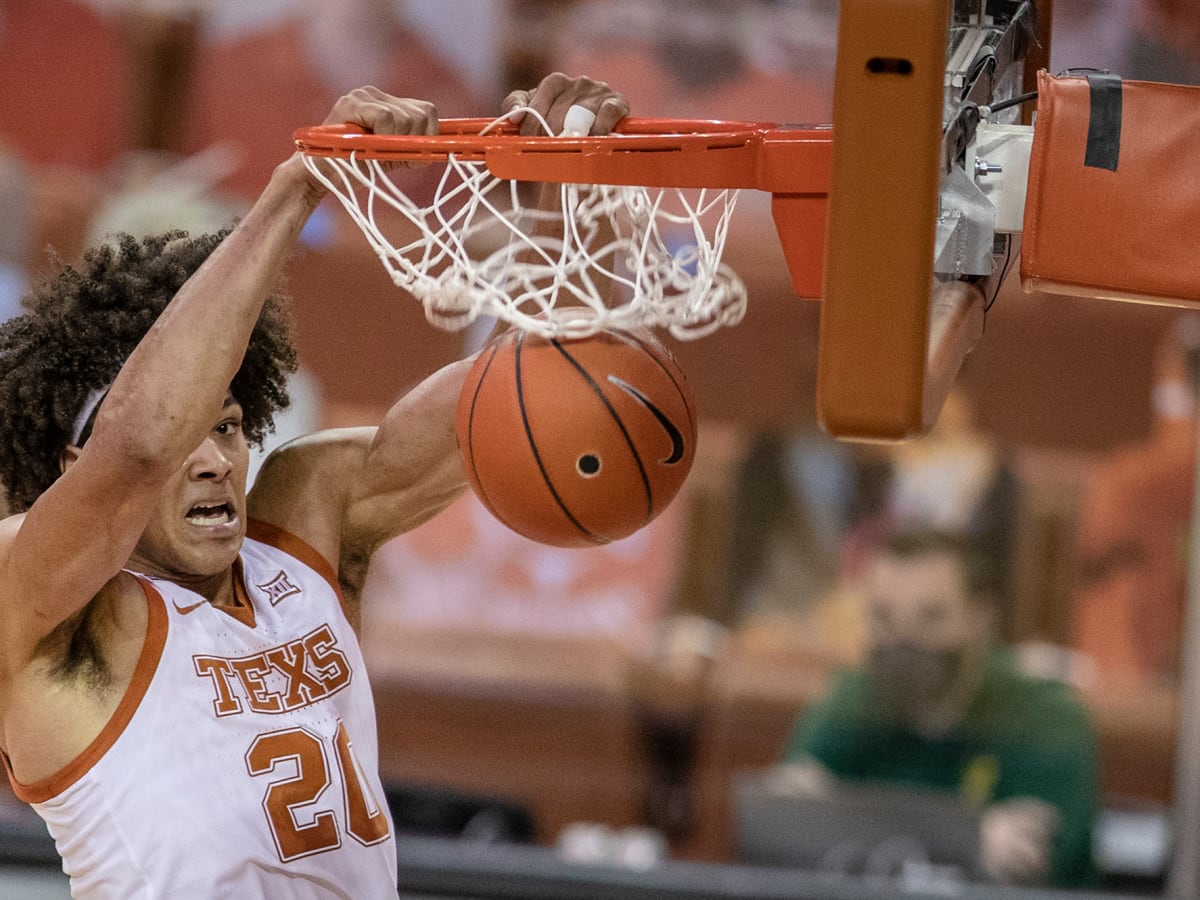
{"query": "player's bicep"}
[(349, 490), (389, 506), (412, 469)]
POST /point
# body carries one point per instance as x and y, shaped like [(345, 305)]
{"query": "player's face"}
[(198, 527)]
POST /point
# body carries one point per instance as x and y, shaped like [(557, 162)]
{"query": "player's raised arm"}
[(152, 412)]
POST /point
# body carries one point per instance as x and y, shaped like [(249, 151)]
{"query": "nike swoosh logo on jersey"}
[(192, 607)]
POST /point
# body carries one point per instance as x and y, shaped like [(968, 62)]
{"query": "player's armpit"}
[(55, 558)]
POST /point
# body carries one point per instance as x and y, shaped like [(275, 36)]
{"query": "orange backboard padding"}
[(1124, 232), (887, 111)]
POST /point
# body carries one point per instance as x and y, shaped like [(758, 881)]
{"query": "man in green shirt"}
[(938, 705)]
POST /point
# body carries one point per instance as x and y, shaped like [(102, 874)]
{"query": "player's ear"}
[(69, 454)]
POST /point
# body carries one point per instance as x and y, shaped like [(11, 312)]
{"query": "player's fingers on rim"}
[(403, 117), (383, 113), (395, 115), (349, 106), (515, 100), (557, 113), (538, 99), (554, 95), (608, 106), (612, 110)]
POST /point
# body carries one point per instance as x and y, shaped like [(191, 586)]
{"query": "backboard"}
[(908, 230)]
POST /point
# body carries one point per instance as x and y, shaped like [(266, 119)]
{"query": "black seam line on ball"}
[(471, 420), (616, 418), (537, 457)]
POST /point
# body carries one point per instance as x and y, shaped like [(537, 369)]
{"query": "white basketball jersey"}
[(243, 760)]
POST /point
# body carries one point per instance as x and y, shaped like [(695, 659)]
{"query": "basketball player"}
[(182, 696)]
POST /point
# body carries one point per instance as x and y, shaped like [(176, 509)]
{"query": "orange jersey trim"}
[(152, 647)]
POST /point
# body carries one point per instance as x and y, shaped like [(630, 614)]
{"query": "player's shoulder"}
[(312, 463), (303, 486), (315, 452), (10, 527)]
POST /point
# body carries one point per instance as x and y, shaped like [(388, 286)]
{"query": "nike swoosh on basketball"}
[(191, 607), (678, 446)]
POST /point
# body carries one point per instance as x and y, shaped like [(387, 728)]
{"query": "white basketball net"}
[(611, 257)]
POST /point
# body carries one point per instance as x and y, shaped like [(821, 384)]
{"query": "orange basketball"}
[(576, 442)]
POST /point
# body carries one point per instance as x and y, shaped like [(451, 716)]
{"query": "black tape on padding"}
[(1104, 122)]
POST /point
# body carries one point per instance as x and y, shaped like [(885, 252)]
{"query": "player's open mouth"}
[(219, 514)]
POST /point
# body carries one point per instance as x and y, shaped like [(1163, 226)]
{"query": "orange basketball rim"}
[(792, 163)]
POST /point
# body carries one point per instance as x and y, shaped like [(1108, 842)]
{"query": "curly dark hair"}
[(80, 326)]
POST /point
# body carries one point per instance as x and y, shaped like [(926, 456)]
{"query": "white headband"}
[(90, 403)]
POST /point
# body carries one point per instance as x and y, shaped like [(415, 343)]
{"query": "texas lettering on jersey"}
[(280, 679)]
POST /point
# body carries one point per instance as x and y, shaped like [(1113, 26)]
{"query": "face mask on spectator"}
[(909, 676)]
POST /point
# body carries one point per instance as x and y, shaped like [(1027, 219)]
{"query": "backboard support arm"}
[(902, 248)]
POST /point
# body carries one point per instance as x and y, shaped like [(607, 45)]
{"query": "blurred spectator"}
[(795, 496), (670, 695), (958, 480), (177, 76), (939, 705), (1135, 511)]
